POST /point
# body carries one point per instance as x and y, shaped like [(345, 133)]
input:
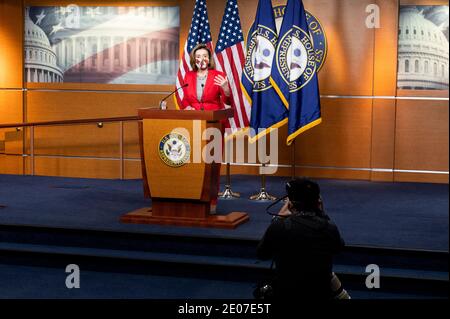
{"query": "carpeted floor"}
[(396, 215)]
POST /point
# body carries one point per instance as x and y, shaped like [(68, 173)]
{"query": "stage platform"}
[(47, 223), (390, 215)]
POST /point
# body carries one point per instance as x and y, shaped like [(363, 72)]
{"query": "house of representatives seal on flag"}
[(316, 30), (260, 53), (295, 58)]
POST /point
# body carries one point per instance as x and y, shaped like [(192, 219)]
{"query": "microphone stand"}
[(263, 195), (228, 192), (175, 91)]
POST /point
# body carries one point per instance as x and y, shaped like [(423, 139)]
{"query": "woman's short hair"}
[(200, 46)]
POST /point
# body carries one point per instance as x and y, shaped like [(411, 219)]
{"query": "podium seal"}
[(174, 150)]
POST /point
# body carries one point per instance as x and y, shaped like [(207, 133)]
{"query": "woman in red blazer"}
[(207, 89)]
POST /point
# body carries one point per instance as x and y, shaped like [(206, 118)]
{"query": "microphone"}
[(175, 91), (201, 100)]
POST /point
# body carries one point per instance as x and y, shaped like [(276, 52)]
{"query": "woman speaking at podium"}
[(207, 89)]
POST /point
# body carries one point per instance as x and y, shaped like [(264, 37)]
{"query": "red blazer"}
[(213, 95)]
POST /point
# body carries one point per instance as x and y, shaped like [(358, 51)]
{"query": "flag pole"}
[(263, 195), (293, 159), (293, 174), (228, 192)]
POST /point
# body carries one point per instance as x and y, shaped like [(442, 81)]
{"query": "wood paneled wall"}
[(367, 133), (11, 85)]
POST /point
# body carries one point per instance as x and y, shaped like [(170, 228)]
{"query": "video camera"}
[(301, 193)]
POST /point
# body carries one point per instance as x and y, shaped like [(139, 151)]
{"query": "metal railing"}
[(121, 121), (99, 121)]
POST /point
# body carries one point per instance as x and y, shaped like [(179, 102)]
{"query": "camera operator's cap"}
[(303, 190)]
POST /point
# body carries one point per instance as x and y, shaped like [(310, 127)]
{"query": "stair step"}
[(135, 255), (352, 270), (218, 246), (394, 273)]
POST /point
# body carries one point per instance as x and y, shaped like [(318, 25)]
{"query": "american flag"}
[(229, 57), (199, 33)]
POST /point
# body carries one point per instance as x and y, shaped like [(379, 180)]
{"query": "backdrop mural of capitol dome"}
[(423, 48), (116, 45)]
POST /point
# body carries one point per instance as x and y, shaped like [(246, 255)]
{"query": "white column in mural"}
[(148, 55), (165, 55), (149, 12), (68, 61), (80, 51), (137, 45), (74, 50), (66, 56), (158, 55), (87, 53), (57, 50), (177, 52), (63, 59), (111, 55), (173, 55), (91, 53), (169, 54), (143, 55), (124, 54), (151, 55), (166, 14), (84, 52), (99, 54), (105, 54)]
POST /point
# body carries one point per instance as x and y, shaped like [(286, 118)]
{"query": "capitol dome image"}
[(422, 52), (40, 60)]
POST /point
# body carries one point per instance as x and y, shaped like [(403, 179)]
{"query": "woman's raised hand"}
[(223, 83)]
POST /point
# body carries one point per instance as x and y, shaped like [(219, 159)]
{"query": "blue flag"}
[(268, 112), (294, 73)]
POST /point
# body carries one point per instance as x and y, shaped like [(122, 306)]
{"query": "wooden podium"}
[(175, 175)]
